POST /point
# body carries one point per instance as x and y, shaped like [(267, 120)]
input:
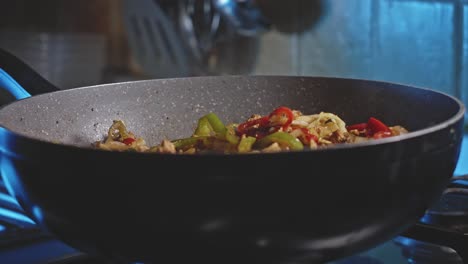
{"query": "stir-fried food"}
[(283, 129)]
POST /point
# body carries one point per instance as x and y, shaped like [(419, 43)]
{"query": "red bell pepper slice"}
[(358, 127), (128, 141), (242, 128), (374, 128), (282, 116), (376, 125)]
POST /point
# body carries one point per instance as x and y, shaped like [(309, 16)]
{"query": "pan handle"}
[(19, 79)]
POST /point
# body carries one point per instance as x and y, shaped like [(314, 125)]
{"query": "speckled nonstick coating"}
[(170, 108), (297, 207)]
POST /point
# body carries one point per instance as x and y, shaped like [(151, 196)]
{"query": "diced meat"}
[(275, 147), (166, 147), (398, 130)]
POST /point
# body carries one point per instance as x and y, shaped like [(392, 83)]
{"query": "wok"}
[(296, 207)]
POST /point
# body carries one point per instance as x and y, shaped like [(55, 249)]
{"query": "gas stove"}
[(439, 237)]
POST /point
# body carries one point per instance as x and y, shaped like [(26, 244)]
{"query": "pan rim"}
[(412, 134)]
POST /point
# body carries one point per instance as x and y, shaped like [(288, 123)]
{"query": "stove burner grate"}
[(442, 234)]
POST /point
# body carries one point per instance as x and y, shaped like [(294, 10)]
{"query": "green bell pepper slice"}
[(210, 125), (230, 135), (187, 142), (245, 144), (216, 124), (282, 138), (203, 128)]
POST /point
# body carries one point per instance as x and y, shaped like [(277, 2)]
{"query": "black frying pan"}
[(296, 207)]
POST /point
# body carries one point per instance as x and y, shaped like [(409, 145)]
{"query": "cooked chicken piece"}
[(189, 151), (297, 113), (313, 144), (166, 146), (275, 147), (254, 117), (112, 145), (339, 137), (324, 141), (398, 130), (356, 139)]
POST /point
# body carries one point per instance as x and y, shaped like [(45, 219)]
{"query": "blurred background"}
[(88, 42), (77, 43)]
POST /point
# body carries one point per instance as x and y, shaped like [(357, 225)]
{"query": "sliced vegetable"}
[(260, 127), (215, 144), (358, 127), (230, 134), (376, 125), (282, 129), (304, 135), (216, 124), (210, 125), (210, 133), (246, 144), (373, 128), (244, 127), (282, 138), (203, 128), (281, 116), (188, 142), (128, 141)]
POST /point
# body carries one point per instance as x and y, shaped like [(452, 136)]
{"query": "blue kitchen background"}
[(417, 42)]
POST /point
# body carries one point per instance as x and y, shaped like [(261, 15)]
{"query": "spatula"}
[(153, 40)]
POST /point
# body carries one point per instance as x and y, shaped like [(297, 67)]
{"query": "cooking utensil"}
[(244, 16), (153, 40), (213, 44), (186, 38), (200, 30), (296, 207)]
